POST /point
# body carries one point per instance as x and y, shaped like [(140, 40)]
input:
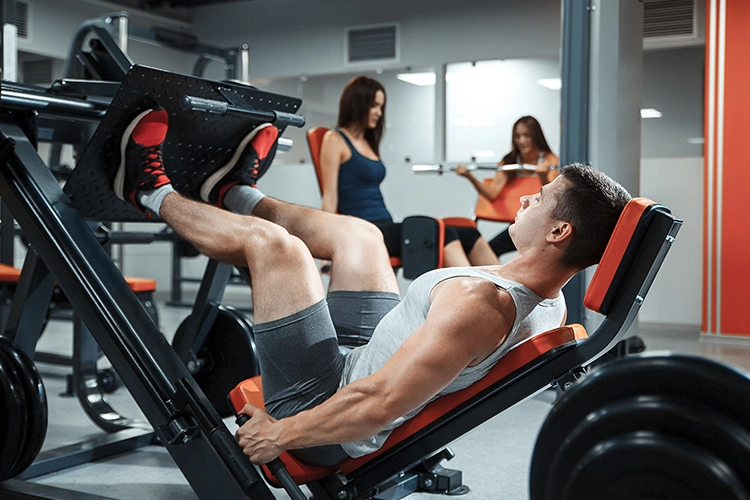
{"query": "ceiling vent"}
[(673, 23), (21, 19), (372, 43)]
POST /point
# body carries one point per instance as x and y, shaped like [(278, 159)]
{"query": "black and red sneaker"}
[(245, 166), (141, 165)]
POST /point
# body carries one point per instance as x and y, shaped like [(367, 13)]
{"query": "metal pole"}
[(8, 53), (245, 63), (574, 145), (122, 31)]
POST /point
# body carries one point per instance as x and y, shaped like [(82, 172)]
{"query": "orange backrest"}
[(613, 253), (249, 390), (314, 140), (504, 207)]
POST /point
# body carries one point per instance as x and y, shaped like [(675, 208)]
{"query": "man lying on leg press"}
[(341, 370)]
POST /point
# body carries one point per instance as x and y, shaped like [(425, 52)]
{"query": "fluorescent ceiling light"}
[(550, 83), (650, 113), (426, 79), (695, 140)]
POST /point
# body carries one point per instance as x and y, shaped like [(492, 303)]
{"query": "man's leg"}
[(285, 279), (295, 338), (359, 258)]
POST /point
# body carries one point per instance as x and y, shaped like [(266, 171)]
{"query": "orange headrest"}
[(614, 253)]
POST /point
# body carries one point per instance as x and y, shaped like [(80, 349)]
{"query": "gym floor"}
[(494, 458)]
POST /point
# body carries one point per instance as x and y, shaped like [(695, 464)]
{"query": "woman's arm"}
[(548, 168), (490, 191), (333, 152)]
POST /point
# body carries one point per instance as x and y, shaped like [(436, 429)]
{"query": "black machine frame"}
[(65, 249)]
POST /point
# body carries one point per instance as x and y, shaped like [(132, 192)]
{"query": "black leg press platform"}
[(64, 246)]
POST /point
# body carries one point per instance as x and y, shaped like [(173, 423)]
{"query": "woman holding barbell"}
[(528, 146)]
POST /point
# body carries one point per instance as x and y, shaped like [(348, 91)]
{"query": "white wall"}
[(675, 296), (295, 37)]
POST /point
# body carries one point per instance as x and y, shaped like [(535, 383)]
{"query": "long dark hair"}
[(537, 136), (354, 108)]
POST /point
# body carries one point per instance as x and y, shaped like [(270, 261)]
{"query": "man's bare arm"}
[(468, 320)]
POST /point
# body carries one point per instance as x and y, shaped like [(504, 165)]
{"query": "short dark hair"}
[(592, 203), (354, 108)]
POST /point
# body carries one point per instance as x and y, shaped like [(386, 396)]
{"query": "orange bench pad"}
[(9, 274), (140, 284)]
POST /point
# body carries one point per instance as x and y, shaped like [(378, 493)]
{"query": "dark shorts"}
[(300, 359)]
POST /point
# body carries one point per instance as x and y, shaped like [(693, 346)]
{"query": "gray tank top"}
[(534, 315)]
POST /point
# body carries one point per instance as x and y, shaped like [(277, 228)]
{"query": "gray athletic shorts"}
[(300, 359)]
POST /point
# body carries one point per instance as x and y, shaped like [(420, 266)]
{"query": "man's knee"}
[(276, 246), (364, 232)]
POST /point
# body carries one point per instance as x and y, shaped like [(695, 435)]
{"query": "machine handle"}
[(278, 469), (280, 118)]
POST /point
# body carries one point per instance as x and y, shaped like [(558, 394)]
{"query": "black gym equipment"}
[(64, 246), (215, 341), (23, 423), (657, 426), (421, 245)]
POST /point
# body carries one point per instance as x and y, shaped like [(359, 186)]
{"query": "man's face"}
[(534, 218)]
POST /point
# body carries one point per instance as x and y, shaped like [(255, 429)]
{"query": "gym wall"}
[(297, 44)]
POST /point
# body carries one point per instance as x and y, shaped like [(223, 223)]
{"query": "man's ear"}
[(561, 231)]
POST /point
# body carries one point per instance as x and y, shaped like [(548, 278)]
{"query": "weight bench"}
[(408, 461), (143, 288), (422, 237)]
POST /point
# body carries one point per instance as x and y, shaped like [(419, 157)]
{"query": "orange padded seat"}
[(9, 274), (141, 284), (250, 391)]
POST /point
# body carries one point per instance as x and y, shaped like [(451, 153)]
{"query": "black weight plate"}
[(702, 381), (14, 407), (229, 357), (36, 404), (644, 465), (666, 420)]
